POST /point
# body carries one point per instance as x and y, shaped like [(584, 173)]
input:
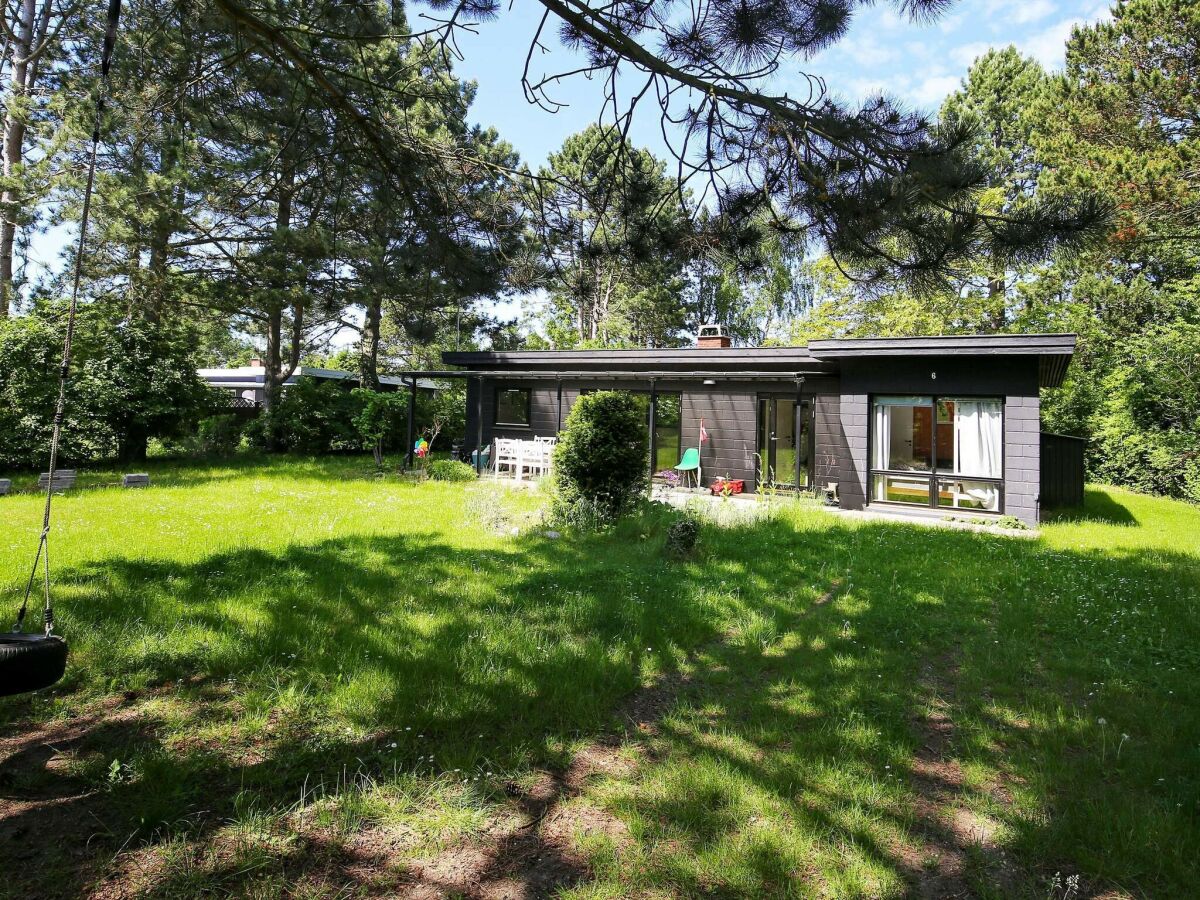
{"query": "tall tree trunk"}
[(996, 296), (276, 372), (133, 443), (14, 145), (370, 341)]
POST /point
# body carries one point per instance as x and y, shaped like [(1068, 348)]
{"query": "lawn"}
[(296, 679)]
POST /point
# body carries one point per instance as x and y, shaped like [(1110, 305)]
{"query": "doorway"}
[(783, 443)]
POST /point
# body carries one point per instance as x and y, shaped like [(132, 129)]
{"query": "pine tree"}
[(614, 243)]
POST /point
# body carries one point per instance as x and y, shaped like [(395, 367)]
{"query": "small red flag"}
[(703, 432)]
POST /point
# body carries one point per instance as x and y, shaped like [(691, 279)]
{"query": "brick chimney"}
[(712, 337), (257, 363)]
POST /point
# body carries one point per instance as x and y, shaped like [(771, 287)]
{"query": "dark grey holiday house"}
[(944, 424)]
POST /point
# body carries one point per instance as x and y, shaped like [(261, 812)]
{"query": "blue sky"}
[(915, 64)]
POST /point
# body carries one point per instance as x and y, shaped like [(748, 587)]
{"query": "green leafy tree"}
[(377, 419), (130, 382), (1123, 120), (995, 106)]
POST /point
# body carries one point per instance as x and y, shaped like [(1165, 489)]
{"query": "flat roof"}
[(255, 376), (946, 345), (788, 357), (821, 357)]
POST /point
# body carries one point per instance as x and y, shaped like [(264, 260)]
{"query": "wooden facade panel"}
[(730, 417), (830, 452)]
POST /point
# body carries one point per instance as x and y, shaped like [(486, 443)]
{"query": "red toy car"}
[(727, 486)]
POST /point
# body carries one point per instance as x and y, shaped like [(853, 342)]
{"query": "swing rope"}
[(43, 550)]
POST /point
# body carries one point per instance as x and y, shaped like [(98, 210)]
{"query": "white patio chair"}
[(538, 455), (508, 453), (531, 458)]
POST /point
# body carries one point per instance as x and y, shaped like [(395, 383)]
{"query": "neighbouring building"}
[(246, 385)]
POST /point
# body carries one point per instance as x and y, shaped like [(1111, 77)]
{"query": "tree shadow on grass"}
[(243, 668), (247, 664), (1098, 506), (829, 730)]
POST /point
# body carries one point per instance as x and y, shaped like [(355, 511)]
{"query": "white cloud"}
[(1047, 46), (965, 54), (867, 51), (947, 24), (1022, 13), (930, 91)]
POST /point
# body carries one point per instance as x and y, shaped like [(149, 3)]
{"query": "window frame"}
[(935, 474), (502, 388), (804, 421)]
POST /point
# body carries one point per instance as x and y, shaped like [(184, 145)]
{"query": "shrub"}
[(601, 456), (128, 384), (682, 534), (219, 435), (448, 406), (450, 470), (377, 421), (312, 416)]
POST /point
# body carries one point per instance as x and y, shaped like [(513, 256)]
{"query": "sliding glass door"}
[(937, 451), (783, 442)]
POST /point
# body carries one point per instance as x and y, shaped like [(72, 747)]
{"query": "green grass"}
[(271, 660)]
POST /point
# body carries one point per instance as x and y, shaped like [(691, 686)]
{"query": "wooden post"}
[(479, 428), (653, 417), (797, 423), (558, 420), (412, 425)]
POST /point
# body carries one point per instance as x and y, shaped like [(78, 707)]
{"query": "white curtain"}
[(883, 436), (978, 436)]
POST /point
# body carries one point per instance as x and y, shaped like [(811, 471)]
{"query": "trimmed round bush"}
[(601, 457), (450, 470)]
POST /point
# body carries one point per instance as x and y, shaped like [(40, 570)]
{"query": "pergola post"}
[(479, 427), (653, 417), (412, 422), (797, 423)]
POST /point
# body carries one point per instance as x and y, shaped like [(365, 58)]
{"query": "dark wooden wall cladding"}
[(1062, 470)]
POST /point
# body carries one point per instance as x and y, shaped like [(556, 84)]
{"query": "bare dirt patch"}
[(949, 833), (534, 853)]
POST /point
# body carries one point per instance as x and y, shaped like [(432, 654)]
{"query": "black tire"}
[(30, 662)]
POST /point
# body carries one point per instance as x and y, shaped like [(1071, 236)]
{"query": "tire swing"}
[(29, 661)]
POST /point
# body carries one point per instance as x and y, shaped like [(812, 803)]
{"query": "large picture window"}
[(937, 451), (512, 406)]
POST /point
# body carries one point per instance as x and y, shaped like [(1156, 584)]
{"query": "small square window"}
[(512, 406)]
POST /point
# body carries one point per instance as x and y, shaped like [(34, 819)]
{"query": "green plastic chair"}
[(690, 463)]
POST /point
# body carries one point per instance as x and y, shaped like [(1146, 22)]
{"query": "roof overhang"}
[(1053, 351), (682, 358), (516, 374)]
